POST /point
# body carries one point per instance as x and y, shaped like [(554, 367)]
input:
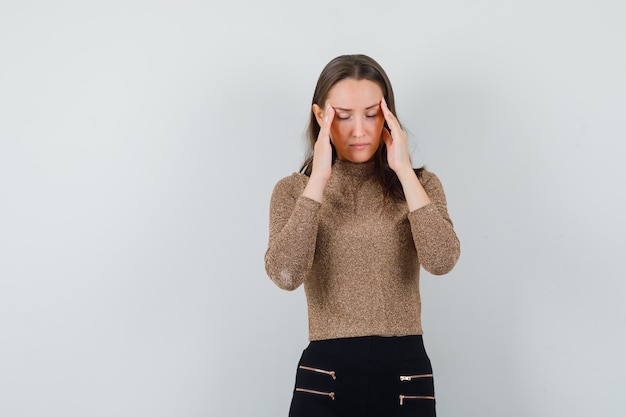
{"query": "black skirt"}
[(364, 376)]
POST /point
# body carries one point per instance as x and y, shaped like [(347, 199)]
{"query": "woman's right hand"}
[(322, 158), (323, 151)]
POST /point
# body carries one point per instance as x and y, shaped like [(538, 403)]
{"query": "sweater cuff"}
[(427, 215), (307, 203), (426, 210), (307, 207)]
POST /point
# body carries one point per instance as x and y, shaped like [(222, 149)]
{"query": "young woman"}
[(354, 226)]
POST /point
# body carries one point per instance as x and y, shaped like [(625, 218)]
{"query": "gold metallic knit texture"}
[(357, 252)]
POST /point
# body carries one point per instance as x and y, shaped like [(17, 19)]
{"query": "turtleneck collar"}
[(364, 169)]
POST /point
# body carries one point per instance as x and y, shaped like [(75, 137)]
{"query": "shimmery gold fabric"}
[(358, 253)]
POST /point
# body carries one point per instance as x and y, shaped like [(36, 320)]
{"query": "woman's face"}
[(357, 127)]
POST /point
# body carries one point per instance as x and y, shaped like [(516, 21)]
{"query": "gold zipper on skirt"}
[(310, 391), (414, 397), (319, 371), (412, 377)]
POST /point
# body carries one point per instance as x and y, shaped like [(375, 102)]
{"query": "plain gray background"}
[(141, 140)]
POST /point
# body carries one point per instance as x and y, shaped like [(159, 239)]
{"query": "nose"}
[(358, 132)]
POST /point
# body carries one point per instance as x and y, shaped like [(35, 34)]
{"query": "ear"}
[(319, 113)]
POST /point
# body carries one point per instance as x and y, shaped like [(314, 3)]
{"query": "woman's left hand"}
[(398, 155)]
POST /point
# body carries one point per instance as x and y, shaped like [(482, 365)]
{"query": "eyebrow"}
[(348, 110)]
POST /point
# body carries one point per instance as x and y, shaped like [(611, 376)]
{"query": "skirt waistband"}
[(372, 347)]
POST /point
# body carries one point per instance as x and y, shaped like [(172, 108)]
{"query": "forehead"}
[(355, 94)]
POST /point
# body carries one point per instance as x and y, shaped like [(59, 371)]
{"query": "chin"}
[(359, 159)]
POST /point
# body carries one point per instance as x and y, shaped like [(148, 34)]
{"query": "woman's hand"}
[(398, 155), (323, 151), (399, 160), (322, 158)]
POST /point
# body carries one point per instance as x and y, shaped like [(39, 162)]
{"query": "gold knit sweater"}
[(357, 252)]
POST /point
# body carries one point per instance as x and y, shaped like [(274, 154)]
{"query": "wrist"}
[(405, 172), (315, 188), (319, 178)]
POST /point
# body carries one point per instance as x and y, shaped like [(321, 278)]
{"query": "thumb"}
[(386, 137)]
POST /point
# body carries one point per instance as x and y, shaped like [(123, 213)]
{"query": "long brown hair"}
[(358, 67)]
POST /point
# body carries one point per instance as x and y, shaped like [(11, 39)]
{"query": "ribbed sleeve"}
[(437, 245), (293, 231)]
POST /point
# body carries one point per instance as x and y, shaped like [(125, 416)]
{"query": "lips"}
[(358, 146)]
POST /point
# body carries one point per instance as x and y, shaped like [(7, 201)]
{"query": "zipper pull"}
[(405, 378), (401, 399)]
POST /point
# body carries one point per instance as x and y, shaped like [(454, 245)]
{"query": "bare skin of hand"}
[(322, 158), (399, 160)]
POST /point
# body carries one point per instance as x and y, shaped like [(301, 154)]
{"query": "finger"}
[(329, 115), (327, 121), (389, 116), (386, 136)]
